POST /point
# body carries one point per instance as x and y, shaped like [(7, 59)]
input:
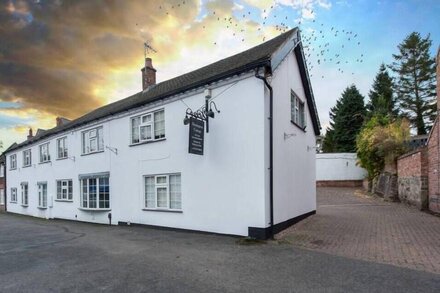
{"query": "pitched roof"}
[(236, 64)]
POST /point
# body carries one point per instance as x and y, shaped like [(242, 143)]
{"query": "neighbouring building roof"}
[(417, 141), (250, 59)]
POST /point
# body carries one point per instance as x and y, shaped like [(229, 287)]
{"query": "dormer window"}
[(148, 127)]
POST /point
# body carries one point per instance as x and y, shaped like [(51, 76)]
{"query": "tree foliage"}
[(347, 117), (381, 141), (382, 101), (415, 81)]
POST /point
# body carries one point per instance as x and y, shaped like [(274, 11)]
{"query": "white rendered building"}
[(128, 161)]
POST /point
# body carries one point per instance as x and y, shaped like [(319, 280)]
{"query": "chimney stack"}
[(30, 135), (148, 74)]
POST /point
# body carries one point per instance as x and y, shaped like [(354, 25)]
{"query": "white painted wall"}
[(338, 166), (226, 190), (222, 191), (294, 162)]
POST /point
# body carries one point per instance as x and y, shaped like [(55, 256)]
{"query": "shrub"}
[(381, 141)]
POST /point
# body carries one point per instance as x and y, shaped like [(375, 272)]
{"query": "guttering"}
[(263, 78)]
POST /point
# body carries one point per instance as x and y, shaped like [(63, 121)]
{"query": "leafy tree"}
[(328, 144), (347, 117), (415, 81), (381, 141), (381, 100)]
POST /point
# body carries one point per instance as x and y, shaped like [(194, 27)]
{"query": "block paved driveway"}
[(351, 224), (63, 256)]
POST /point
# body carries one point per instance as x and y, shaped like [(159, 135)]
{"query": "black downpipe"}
[(270, 148)]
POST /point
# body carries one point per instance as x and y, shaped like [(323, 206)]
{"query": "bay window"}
[(148, 127), (95, 191), (92, 140), (44, 153), (64, 190), (163, 192)]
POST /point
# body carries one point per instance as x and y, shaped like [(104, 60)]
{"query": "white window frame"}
[(13, 195), (88, 137), (44, 153), (2, 196), (24, 194), (27, 158), (62, 149), (145, 123), (85, 197), (2, 170), (13, 161), (42, 195), (64, 187), (297, 111), (157, 186)]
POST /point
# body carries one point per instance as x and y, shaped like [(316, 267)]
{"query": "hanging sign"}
[(196, 136)]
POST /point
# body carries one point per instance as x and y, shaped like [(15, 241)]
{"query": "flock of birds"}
[(321, 43)]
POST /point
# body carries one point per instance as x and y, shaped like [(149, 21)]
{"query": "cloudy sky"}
[(66, 58)]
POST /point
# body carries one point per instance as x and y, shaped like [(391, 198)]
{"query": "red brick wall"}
[(413, 164), (433, 154), (412, 181)]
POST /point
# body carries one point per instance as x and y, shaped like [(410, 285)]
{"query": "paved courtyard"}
[(348, 223), (63, 256)]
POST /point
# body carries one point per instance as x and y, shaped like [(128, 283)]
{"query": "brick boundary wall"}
[(412, 172), (434, 153)]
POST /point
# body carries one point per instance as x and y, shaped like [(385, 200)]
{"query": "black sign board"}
[(196, 136)]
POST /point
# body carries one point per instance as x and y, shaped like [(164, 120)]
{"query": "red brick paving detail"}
[(351, 224)]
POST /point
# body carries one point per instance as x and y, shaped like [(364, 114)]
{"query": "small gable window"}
[(297, 111)]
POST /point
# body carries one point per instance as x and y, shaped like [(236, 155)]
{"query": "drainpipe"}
[(263, 78)]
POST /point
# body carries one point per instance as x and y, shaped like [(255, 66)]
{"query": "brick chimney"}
[(148, 74), (30, 135)]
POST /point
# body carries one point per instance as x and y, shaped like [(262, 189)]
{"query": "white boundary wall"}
[(338, 166)]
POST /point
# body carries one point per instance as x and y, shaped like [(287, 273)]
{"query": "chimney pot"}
[(148, 74)]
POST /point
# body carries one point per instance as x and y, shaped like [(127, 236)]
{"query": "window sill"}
[(41, 163), (64, 200), (25, 205), (97, 152), (163, 210), (94, 209), (14, 202), (147, 142), (12, 169), (27, 166), (42, 208), (302, 128), (59, 159)]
